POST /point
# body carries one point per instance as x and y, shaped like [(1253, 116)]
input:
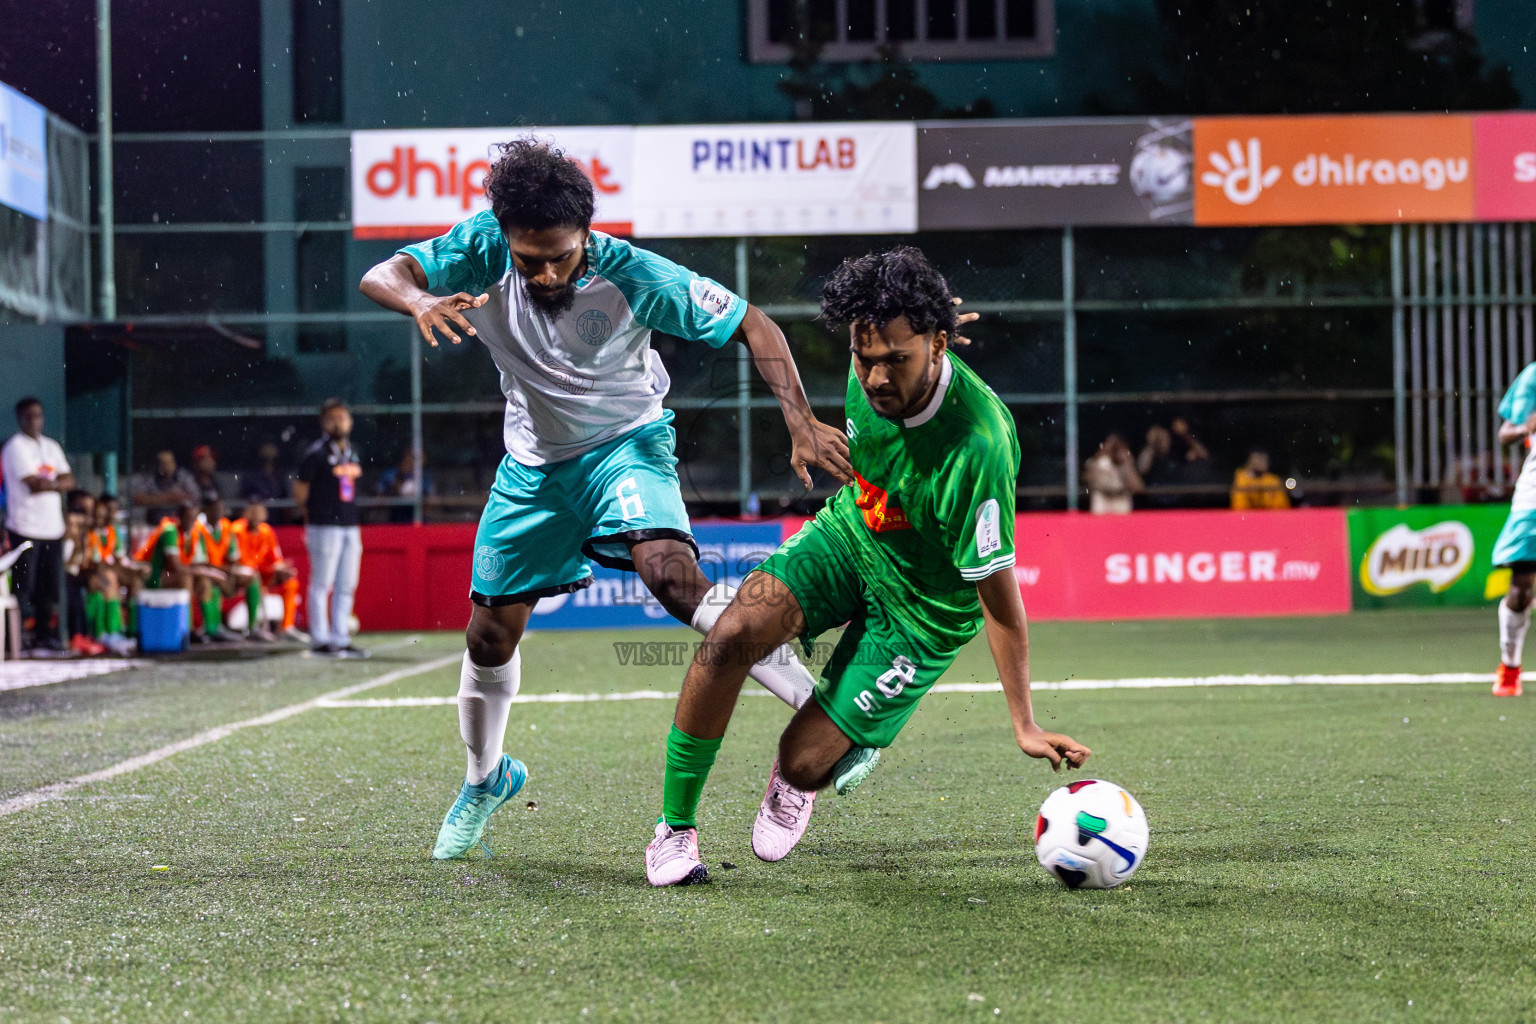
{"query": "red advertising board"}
[(1506, 166), (1150, 565), (1163, 565), (413, 577)]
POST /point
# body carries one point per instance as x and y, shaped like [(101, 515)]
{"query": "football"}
[(1091, 834)]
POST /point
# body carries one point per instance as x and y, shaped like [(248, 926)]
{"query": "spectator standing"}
[(166, 490), (1158, 467), (36, 477), (325, 492), (1255, 487), (1111, 478)]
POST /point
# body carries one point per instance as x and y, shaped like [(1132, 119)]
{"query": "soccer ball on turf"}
[(1091, 834)]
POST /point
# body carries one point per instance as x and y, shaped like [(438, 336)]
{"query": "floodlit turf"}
[(1318, 853)]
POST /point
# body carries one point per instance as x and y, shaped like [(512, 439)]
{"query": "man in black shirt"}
[(325, 492)]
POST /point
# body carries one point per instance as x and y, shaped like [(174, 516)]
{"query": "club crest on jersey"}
[(710, 297), (880, 513), (594, 327), (488, 563), (989, 535)]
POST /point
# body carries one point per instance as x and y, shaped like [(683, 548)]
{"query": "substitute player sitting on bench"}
[(260, 552), (230, 576), (177, 559)]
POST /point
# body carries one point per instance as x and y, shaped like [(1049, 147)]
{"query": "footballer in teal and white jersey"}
[(1515, 549), (916, 555), (589, 475)]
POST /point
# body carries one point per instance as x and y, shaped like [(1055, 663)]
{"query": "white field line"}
[(21, 675), (25, 673), (1148, 683), (55, 790)]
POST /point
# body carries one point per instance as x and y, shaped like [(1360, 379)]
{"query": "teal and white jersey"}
[(1517, 405), (579, 380)]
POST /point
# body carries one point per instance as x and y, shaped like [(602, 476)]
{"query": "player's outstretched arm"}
[(1008, 637), (1509, 432), (399, 284), (813, 443)]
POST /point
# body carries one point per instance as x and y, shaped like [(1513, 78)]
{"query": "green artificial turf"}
[(1318, 853)]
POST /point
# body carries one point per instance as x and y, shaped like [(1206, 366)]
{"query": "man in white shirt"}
[(36, 477)]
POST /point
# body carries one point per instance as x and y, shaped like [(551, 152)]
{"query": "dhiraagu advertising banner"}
[(1427, 555)]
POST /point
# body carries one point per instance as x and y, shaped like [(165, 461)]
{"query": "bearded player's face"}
[(897, 367), (550, 261)]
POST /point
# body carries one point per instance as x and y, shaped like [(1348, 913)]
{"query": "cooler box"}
[(165, 621)]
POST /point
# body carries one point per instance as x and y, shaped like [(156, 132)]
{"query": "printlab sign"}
[(1017, 175)]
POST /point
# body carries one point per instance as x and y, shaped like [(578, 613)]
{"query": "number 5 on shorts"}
[(630, 505)]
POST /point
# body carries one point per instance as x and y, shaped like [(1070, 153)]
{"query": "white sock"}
[(485, 700), (781, 673), (1512, 627)]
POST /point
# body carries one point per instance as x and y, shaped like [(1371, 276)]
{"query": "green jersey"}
[(931, 511)]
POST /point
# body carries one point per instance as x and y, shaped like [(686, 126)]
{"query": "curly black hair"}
[(880, 286), (533, 186)]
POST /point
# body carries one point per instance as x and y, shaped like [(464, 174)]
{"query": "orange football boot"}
[(1508, 682)]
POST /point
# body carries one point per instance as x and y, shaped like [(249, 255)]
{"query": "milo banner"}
[(1429, 555)]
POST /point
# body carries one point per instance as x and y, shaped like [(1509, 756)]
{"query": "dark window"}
[(1021, 19), (1440, 14), (861, 21), (861, 30), (981, 19), (942, 19), (317, 61), (822, 17), (781, 20)]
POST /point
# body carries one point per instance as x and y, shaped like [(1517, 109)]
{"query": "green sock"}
[(93, 601), (114, 624), (688, 763), (213, 616), (133, 618), (253, 606)]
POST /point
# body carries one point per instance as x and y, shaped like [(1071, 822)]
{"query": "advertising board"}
[(987, 175), (419, 182), (1198, 564), (1429, 555), (1333, 170), (616, 600), (775, 179), (1506, 166), (23, 154)]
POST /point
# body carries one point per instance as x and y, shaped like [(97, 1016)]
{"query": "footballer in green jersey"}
[(916, 556)]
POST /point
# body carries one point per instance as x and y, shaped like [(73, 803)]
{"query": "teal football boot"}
[(465, 822)]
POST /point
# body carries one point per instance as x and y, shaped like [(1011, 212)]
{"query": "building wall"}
[(32, 363)]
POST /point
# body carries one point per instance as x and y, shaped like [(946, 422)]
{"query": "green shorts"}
[(880, 668)]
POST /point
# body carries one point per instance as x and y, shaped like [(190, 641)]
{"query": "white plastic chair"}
[(10, 608)]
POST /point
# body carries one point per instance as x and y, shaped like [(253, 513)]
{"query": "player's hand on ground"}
[(961, 321), (1054, 747), (820, 445), (442, 315)]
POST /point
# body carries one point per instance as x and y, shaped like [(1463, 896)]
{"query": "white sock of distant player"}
[(1512, 627), (781, 673), (485, 700)]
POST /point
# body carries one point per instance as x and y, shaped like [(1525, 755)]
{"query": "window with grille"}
[(856, 30)]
